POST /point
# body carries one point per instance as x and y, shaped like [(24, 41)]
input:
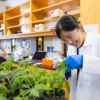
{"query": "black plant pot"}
[(54, 95), (9, 96), (17, 92)]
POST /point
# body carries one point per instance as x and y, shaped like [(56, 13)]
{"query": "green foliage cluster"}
[(20, 84)]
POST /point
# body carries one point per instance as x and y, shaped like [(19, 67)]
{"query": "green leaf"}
[(26, 98), (3, 98), (24, 63), (7, 65), (36, 91), (17, 98), (3, 90), (63, 65), (23, 93), (17, 83)]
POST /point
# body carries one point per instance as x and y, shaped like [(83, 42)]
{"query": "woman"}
[(84, 52)]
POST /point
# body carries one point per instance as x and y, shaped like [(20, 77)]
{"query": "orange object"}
[(47, 62), (4, 53)]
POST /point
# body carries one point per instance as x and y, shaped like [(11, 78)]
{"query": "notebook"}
[(38, 56)]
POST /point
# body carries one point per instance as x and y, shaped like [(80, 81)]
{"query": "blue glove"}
[(74, 61)]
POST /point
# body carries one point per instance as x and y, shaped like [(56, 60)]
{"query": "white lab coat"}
[(88, 85)]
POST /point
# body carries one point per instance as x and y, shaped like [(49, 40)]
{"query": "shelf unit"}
[(13, 18), (40, 9), (37, 14)]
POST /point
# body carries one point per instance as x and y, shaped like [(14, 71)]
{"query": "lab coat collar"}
[(88, 40)]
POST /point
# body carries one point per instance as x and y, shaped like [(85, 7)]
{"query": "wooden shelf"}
[(74, 12), (1, 21), (51, 6), (18, 16), (10, 9), (44, 31), (12, 12), (28, 35), (46, 20), (15, 17), (14, 26), (44, 34), (15, 12)]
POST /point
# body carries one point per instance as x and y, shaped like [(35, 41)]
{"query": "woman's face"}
[(74, 38)]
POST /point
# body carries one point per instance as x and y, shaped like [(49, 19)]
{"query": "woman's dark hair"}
[(66, 23)]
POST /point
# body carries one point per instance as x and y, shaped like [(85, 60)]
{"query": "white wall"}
[(13, 3), (6, 45), (52, 42)]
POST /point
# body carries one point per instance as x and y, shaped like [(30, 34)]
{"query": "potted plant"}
[(34, 84)]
